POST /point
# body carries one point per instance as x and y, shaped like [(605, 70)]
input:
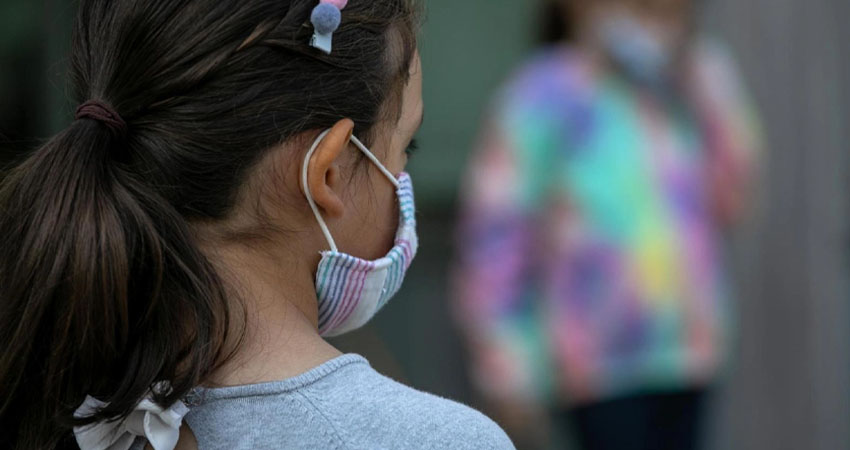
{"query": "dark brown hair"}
[(102, 290), (555, 22)]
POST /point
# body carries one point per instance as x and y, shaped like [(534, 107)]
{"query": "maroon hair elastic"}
[(103, 113)]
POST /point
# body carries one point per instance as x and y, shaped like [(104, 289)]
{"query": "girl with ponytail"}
[(170, 262)]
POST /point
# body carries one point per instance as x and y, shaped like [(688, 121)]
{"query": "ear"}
[(323, 173)]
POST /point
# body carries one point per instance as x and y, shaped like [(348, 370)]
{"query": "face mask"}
[(635, 49), (351, 290)]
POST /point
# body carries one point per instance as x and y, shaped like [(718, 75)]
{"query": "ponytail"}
[(102, 291)]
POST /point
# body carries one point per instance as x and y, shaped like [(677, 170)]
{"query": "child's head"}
[(103, 285), (670, 18), (644, 38)]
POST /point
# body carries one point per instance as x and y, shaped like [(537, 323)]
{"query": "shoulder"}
[(343, 404), (715, 68), (546, 104), (551, 75), (712, 51), (373, 411)]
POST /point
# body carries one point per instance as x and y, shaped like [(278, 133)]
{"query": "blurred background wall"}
[(789, 387)]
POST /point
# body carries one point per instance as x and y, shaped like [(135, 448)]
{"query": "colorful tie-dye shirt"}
[(590, 261)]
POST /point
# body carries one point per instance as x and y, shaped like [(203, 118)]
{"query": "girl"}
[(170, 262)]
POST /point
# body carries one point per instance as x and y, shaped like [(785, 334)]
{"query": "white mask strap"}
[(372, 158), (306, 187)]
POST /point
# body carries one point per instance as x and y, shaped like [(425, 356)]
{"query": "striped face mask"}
[(351, 290)]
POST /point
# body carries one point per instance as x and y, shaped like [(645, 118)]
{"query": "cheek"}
[(389, 218), (397, 163), (378, 220)]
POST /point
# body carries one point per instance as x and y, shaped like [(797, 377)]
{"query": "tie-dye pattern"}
[(343, 280), (590, 258)]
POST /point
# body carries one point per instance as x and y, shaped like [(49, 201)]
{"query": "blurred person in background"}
[(591, 281)]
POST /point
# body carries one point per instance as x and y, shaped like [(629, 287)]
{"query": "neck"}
[(280, 326)]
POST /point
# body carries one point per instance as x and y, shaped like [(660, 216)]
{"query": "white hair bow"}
[(161, 427)]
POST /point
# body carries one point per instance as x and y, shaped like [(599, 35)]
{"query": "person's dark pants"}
[(670, 421)]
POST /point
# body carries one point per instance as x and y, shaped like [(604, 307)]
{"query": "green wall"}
[(468, 47)]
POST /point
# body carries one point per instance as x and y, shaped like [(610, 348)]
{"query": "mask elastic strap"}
[(372, 158), (306, 187)]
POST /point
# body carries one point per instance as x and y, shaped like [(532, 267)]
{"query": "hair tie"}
[(326, 17), (160, 427), (103, 113)]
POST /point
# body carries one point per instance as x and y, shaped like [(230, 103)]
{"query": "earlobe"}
[(323, 176)]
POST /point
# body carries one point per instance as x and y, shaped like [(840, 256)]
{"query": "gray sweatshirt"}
[(342, 404)]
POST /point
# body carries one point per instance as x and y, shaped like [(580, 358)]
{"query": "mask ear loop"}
[(372, 158), (306, 187)]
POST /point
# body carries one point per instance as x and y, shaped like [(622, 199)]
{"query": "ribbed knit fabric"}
[(342, 404)]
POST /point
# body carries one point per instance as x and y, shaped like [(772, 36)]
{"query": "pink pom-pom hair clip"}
[(326, 18)]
